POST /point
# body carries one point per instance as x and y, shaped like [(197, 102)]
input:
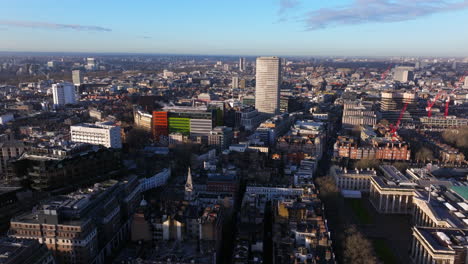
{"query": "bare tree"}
[(358, 249)]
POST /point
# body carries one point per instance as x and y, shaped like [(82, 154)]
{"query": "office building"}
[(50, 167), (6, 117), (105, 134), (9, 150), (188, 121), (357, 113), (77, 77), (443, 122), (84, 226), (142, 119), (268, 80), (160, 125), (403, 74), (220, 137), (392, 103), (24, 251), (63, 93), (242, 65), (91, 64), (235, 82)]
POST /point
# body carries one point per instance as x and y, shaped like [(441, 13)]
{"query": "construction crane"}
[(447, 103), (385, 73), (394, 128), (430, 103)]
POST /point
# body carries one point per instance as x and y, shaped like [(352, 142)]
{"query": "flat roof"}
[(461, 190)]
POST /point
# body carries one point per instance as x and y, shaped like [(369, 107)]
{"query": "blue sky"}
[(238, 27)]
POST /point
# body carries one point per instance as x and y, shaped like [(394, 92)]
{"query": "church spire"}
[(189, 186)]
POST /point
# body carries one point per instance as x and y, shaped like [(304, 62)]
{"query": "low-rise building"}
[(352, 180), (391, 193), (24, 251), (105, 134), (439, 245)]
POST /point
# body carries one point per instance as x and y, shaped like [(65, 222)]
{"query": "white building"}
[(274, 192), (403, 74), (63, 93), (268, 80), (168, 74), (91, 64), (156, 180), (104, 134), (5, 118), (242, 65), (76, 77)]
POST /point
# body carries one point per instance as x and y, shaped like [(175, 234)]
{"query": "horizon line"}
[(223, 55)]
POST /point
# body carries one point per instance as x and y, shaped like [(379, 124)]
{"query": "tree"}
[(137, 138), (357, 249), (456, 137), (424, 154), (327, 186), (367, 164), (401, 166)]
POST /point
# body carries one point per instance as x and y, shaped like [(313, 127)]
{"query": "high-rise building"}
[(242, 65), (267, 90), (91, 63), (76, 77), (235, 82), (242, 84), (403, 74), (466, 82), (454, 66), (63, 93), (105, 134)]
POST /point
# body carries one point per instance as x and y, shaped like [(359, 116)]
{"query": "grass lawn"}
[(360, 211), (383, 252)]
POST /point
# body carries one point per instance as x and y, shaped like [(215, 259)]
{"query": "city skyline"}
[(282, 28)]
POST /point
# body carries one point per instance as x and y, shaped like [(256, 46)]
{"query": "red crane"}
[(447, 103), (385, 73), (430, 104), (394, 128)]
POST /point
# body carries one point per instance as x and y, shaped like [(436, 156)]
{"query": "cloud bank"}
[(373, 11), (285, 5), (53, 26)]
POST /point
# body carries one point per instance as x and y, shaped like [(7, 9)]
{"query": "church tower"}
[(189, 186)]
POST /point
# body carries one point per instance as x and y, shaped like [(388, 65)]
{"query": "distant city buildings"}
[(268, 81)]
